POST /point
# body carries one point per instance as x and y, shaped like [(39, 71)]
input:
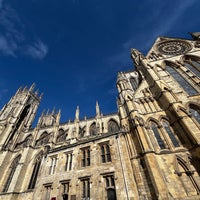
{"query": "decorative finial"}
[(77, 114), (136, 55), (97, 109), (32, 87)]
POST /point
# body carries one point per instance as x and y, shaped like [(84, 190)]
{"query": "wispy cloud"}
[(13, 37), (37, 50), (7, 47)]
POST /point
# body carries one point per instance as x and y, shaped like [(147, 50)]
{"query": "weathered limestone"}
[(148, 150)]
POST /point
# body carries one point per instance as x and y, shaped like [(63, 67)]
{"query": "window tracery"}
[(170, 133), (11, 173), (113, 126), (93, 129), (193, 64), (154, 128), (44, 139), (177, 74), (195, 111), (61, 135), (35, 171)]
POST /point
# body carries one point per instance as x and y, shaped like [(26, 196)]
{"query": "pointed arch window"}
[(11, 173), (195, 112), (183, 170), (193, 65), (93, 129), (82, 131), (61, 136), (113, 126), (154, 128), (133, 83), (35, 172), (44, 139), (170, 133), (181, 80)]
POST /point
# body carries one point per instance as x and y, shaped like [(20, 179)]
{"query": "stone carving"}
[(174, 47)]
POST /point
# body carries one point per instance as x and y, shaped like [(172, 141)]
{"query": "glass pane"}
[(171, 135), (195, 114), (182, 82), (192, 68), (157, 135)]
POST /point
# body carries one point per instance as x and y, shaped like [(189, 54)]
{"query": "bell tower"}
[(17, 116)]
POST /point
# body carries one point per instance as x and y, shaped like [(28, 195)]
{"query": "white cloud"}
[(37, 50), (13, 39), (6, 47)]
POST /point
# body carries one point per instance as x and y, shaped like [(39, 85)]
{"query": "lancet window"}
[(61, 136), (157, 134), (35, 172), (44, 139), (193, 65), (175, 73), (133, 83), (113, 126), (11, 173), (170, 133), (184, 170), (93, 129), (195, 111)]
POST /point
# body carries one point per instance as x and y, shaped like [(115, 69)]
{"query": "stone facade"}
[(148, 150)]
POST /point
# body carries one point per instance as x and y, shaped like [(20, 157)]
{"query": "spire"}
[(58, 116), (32, 87), (53, 111), (97, 109), (77, 114), (136, 56)]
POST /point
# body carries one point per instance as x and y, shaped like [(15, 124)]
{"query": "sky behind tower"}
[(73, 49)]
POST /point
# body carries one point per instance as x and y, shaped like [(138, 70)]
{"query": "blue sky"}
[(73, 49)]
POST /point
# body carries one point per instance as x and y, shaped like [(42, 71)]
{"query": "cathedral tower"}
[(17, 116)]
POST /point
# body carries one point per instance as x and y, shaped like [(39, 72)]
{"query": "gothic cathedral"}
[(149, 149)]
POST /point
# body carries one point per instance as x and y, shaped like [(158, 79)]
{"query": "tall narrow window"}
[(86, 157), (65, 190), (85, 189), (195, 113), (11, 172), (48, 188), (53, 165), (193, 65), (44, 139), (113, 126), (61, 136), (105, 153), (110, 187), (154, 128), (185, 173), (35, 172), (133, 83), (93, 129), (182, 81), (69, 158), (170, 133)]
